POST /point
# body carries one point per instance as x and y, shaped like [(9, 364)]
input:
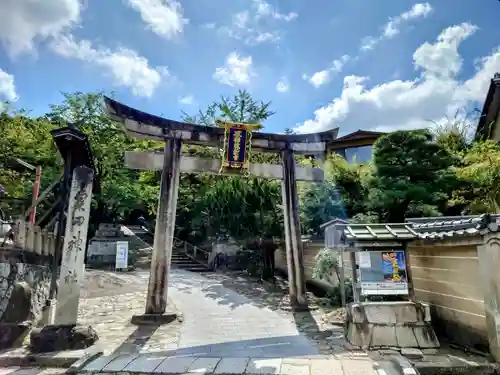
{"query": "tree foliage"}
[(413, 173)]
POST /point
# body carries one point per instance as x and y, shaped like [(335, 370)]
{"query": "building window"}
[(360, 155)]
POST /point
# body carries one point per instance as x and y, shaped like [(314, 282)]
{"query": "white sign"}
[(121, 261), (384, 288), (364, 260)]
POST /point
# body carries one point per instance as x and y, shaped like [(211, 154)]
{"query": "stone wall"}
[(447, 276), (24, 285), (311, 248)]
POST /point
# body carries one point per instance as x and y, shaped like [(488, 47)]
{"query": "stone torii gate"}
[(172, 163)]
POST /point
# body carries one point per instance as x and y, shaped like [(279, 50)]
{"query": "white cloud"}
[(7, 87), (186, 100), (322, 77), (237, 70), (393, 26), (164, 17), (368, 43), (399, 104), (125, 66), (283, 85), (25, 22), (256, 25), (420, 10), (442, 57), (264, 9)]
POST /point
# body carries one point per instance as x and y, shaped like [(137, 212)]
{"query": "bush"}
[(250, 261), (334, 298), (326, 261)]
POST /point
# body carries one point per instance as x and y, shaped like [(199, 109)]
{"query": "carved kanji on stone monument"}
[(75, 238)]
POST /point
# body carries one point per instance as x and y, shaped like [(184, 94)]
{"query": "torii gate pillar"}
[(156, 302)]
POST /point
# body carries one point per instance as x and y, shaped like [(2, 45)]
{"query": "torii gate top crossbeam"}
[(144, 125)]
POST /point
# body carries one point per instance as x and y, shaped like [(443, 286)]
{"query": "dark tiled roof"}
[(490, 111), (419, 228), (452, 226)]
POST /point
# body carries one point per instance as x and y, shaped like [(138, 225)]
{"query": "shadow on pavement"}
[(223, 289), (269, 347)]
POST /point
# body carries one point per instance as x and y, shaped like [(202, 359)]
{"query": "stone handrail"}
[(32, 238), (193, 251)]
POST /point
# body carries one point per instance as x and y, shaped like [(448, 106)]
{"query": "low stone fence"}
[(25, 275), (32, 238)]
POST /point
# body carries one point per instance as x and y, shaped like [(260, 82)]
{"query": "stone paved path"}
[(230, 324), (218, 321)]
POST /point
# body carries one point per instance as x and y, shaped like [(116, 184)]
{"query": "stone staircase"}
[(179, 257), (181, 260)]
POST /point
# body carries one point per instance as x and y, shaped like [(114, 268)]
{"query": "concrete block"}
[(426, 337), (356, 313), (119, 363), (412, 353), (426, 312), (380, 313), (175, 365), (231, 366), (383, 336), (143, 363), (405, 337), (326, 366), (263, 366), (359, 335), (204, 365), (406, 313), (98, 364), (291, 368)]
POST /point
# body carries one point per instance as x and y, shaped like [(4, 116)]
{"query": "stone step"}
[(144, 363)]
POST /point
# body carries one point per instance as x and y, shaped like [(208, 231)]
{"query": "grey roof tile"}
[(455, 226)]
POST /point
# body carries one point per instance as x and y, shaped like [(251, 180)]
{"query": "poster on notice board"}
[(394, 266)]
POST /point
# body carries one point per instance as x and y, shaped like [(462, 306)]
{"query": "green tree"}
[(28, 139), (412, 176), (240, 108), (240, 207), (481, 170), (118, 190)]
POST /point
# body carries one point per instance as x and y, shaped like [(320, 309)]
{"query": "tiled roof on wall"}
[(418, 228), (452, 226)]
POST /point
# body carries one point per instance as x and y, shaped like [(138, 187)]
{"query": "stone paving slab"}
[(31, 371), (23, 358), (154, 364), (111, 317)]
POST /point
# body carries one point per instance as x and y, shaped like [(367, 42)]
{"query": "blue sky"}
[(357, 64)]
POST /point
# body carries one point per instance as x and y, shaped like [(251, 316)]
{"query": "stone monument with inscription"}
[(65, 333)]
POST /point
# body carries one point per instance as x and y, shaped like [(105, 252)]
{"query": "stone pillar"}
[(293, 240), (489, 263), (156, 302), (75, 239)]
